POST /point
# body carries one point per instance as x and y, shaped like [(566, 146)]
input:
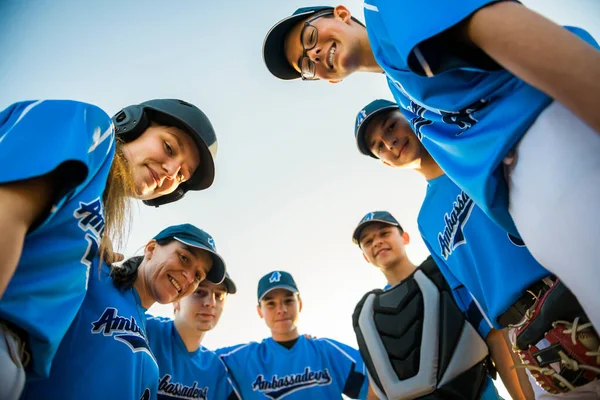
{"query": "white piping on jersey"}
[(343, 352), (229, 377), (423, 62), (371, 7), (98, 139), (25, 111), (482, 312), (236, 350)]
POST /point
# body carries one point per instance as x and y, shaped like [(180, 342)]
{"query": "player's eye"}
[(220, 296), (201, 293), (168, 149), (391, 127), (183, 258)]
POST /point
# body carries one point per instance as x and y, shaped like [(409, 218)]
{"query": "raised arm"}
[(22, 203), (542, 53)]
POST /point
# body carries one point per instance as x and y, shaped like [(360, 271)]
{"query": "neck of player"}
[(191, 337), (285, 336), (399, 271), (429, 168)]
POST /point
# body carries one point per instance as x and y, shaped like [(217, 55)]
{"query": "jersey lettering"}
[(166, 389), (453, 236), (277, 388)]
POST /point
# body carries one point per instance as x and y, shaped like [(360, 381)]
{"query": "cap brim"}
[(229, 285), (216, 274), (362, 129), (286, 287), (274, 45), (361, 226)]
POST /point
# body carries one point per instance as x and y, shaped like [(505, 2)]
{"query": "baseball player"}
[(105, 353), (187, 369), (477, 80), (65, 198), (468, 247), (288, 365)]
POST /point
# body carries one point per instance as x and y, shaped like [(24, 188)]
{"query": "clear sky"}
[(290, 184)]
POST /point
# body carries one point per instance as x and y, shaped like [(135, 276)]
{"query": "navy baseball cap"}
[(374, 216), (229, 285), (189, 235), (363, 117), (276, 280), (274, 44)]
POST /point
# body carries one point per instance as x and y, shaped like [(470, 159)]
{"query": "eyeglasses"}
[(309, 37)]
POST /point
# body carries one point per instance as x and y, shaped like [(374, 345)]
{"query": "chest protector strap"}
[(417, 344)]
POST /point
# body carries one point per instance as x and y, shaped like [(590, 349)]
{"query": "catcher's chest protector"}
[(416, 342)]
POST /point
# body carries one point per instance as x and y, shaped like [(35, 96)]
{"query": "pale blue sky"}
[(290, 184)]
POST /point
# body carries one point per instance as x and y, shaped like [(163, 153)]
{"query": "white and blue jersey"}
[(76, 141), (469, 114), (105, 353), (469, 248), (312, 368), (186, 375)]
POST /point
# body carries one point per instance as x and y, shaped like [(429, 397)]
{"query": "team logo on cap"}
[(368, 217), (275, 277), (211, 242), (361, 117)]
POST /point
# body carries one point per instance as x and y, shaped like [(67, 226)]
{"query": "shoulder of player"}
[(238, 350), (335, 346)]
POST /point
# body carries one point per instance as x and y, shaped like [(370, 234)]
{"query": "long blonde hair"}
[(120, 188)]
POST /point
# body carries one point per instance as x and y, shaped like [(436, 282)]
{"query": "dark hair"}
[(124, 276)]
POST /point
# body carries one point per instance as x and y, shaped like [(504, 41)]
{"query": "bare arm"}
[(371, 394), (543, 54), (22, 203), (503, 359)]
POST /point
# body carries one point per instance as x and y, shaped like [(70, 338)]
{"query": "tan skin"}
[(199, 312), (169, 152), (171, 272), (352, 51), (280, 309)]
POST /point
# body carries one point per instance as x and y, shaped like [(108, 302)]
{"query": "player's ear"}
[(342, 13), (176, 306), (149, 249), (258, 309), (299, 303), (406, 237), (335, 81)]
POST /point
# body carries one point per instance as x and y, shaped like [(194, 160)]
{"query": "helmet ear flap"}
[(167, 198), (130, 123)]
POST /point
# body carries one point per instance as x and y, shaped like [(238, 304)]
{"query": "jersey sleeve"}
[(39, 137), (349, 361), (465, 301), (413, 29)]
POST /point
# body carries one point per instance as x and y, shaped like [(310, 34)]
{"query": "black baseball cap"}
[(274, 44), (229, 285), (363, 118), (276, 280), (374, 216), (189, 235)]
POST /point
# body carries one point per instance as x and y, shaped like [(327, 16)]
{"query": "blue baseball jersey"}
[(105, 353), (186, 375), (467, 116), (470, 249), (312, 368), (76, 140)]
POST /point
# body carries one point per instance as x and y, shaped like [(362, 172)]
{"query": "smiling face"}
[(202, 309), (280, 309), (337, 52), (390, 138), (173, 271), (160, 160), (383, 245)]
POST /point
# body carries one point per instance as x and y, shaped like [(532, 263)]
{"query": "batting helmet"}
[(132, 121)]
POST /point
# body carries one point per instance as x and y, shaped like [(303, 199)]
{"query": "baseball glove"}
[(557, 343)]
